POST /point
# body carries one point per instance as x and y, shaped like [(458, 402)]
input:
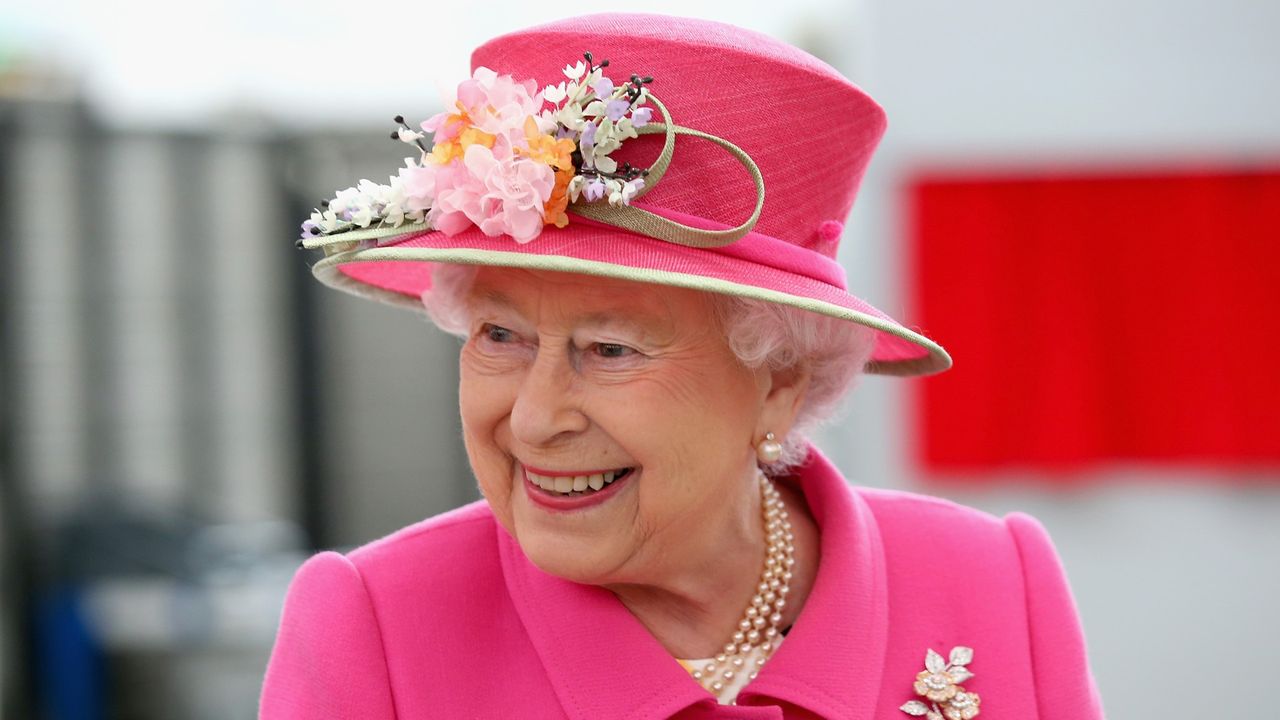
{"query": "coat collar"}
[(604, 663)]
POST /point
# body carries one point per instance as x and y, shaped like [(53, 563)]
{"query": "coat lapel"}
[(602, 661), (833, 656)]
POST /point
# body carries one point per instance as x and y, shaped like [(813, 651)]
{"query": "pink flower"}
[(494, 104), (419, 185), (499, 194), (458, 199)]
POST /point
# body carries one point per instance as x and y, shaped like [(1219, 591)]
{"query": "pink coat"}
[(448, 619)]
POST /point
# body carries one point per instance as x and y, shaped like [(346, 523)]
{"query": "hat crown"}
[(809, 130)]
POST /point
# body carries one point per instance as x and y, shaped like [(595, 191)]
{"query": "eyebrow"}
[(596, 319), (495, 297)]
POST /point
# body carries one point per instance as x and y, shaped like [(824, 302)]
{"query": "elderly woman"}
[(657, 538)]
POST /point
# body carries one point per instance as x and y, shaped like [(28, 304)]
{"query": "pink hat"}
[(556, 157)]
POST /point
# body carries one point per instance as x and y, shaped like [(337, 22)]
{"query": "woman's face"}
[(569, 376)]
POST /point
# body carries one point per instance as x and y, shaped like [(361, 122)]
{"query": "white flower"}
[(407, 135), (570, 116), (393, 210), (342, 200), (623, 193), (554, 94), (545, 122), (362, 216), (575, 187), (631, 189), (624, 129), (573, 72), (329, 221), (607, 139)]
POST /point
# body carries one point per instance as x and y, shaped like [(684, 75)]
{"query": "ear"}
[(783, 394)]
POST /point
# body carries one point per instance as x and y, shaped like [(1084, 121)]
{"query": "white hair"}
[(759, 333)]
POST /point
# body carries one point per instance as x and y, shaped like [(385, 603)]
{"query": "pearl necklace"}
[(758, 628)]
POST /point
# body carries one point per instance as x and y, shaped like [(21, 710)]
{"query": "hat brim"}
[(397, 271)]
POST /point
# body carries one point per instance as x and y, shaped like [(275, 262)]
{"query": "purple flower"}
[(594, 190), (641, 116), (307, 226), (603, 87), (588, 139), (616, 109)]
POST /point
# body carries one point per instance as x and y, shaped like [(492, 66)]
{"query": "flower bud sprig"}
[(368, 204), (600, 117), (407, 134)]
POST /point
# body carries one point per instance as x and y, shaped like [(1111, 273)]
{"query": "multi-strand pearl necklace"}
[(757, 632)]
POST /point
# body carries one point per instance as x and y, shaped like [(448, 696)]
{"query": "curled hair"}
[(759, 333)]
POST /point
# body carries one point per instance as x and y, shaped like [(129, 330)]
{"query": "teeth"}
[(565, 484)]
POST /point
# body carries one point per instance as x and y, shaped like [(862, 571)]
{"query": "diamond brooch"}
[(939, 686)]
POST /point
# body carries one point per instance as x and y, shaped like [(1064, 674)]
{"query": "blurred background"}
[(1080, 200)]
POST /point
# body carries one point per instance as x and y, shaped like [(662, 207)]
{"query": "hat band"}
[(759, 248)]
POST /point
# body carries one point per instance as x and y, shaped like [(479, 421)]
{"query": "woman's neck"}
[(696, 608)]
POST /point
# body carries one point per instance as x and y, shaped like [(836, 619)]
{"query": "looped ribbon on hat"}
[(655, 226)]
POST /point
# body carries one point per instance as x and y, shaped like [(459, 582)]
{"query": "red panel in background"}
[(1100, 318)]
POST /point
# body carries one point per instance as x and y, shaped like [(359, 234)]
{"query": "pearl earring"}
[(768, 450)]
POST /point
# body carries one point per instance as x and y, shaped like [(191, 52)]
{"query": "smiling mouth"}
[(575, 485)]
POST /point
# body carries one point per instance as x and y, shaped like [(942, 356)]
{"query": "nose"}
[(546, 408)]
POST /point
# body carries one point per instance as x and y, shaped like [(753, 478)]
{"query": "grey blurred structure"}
[(186, 413)]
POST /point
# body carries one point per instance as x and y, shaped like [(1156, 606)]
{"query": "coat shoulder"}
[(958, 576), (444, 532), (934, 521), (912, 523), (436, 557)]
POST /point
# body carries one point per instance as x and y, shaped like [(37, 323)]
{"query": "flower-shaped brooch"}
[(939, 685)]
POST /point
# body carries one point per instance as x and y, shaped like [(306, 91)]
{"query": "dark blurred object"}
[(133, 587)]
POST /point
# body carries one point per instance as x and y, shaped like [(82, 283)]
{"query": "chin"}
[(565, 559)]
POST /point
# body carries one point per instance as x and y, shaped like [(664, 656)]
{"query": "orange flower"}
[(546, 148), (457, 135), (554, 210), (443, 152)]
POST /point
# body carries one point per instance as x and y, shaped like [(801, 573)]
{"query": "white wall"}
[(1174, 570)]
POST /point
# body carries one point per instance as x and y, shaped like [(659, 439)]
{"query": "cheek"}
[(713, 403), (689, 428), (484, 406)]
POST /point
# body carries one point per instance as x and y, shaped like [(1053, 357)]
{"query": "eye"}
[(613, 350), (496, 333)]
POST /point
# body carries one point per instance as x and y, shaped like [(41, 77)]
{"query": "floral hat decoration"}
[(549, 159)]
